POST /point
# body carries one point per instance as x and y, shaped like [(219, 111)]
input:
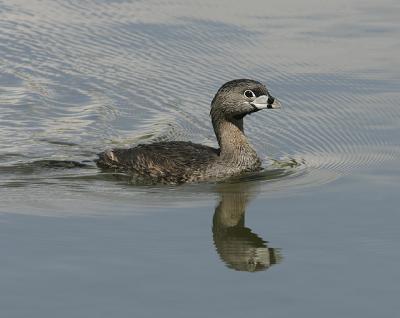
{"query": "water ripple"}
[(78, 77)]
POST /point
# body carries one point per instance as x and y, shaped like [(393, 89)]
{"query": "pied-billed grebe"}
[(179, 161)]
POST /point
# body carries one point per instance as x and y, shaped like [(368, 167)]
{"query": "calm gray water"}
[(316, 234)]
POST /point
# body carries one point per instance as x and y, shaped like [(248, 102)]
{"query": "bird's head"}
[(238, 98)]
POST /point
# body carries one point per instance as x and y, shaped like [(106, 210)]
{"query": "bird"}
[(177, 162)]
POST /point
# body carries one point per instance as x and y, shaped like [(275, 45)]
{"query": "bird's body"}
[(161, 162), (179, 161)]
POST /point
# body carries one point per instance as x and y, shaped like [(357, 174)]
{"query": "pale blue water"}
[(316, 234)]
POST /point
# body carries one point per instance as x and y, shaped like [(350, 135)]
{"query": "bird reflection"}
[(236, 244)]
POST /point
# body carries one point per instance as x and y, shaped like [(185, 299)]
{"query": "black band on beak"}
[(271, 100)]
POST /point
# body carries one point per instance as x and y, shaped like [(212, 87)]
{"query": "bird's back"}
[(165, 162)]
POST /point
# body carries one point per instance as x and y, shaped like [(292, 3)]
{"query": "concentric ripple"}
[(78, 77)]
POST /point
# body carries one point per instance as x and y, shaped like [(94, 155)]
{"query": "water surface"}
[(314, 234)]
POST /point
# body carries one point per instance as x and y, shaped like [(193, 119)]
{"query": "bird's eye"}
[(248, 93)]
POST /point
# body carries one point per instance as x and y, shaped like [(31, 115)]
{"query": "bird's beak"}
[(265, 101)]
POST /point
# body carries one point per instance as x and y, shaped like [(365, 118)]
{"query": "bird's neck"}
[(234, 146)]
